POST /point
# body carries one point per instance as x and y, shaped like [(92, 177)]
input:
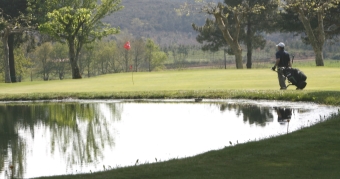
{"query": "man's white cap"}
[(281, 44)]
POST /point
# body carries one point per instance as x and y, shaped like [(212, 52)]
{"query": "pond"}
[(68, 137)]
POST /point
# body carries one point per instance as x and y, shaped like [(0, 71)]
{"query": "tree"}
[(13, 20), (78, 22), (229, 20), (43, 55), (257, 23), (86, 60), (210, 36), (22, 63), (138, 52), (180, 54), (332, 23), (150, 48), (59, 58), (212, 39), (308, 10), (105, 53), (252, 24), (154, 57), (158, 59)]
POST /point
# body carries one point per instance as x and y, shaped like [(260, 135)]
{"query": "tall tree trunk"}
[(225, 58), (249, 45), (317, 39), (232, 41), (237, 50), (319, 57), (73, 60), (6, 56), (238, 59), (11, 58)]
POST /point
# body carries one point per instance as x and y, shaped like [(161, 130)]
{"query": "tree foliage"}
[(210, 36), (43, 57), (138, 53), (79, 22), (246, 21), (229, 20), (22, 63), (307, 11), (13, 20), (155, 58)]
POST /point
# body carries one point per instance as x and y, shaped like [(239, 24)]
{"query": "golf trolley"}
[(294, 76)]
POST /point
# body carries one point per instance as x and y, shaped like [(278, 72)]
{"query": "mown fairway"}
[(319, 78)]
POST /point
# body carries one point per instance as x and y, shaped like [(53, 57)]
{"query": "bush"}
[(336, 57)]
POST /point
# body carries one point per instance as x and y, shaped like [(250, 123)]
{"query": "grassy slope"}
[(309, 153), (257, 79), (323, 86)]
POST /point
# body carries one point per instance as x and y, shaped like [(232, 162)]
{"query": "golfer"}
[(282, 60)]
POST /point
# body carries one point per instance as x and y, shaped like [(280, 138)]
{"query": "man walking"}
[(282, 60)]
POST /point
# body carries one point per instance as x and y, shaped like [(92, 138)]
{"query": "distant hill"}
[(156, 19)]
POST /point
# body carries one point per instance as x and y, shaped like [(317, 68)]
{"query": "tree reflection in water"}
[(51, 138), (78, 131), (253, 114)]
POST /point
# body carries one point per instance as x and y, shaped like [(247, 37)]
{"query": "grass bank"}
[(321, 97), (323, 86)]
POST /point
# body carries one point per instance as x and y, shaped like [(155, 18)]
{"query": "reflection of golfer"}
[(284, 114)]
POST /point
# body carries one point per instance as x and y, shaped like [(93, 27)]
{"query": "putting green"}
[(319, 78)]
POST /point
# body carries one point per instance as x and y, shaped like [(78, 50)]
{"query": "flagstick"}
[(132, 78)]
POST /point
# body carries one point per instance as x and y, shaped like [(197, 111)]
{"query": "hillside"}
[(156, 19)]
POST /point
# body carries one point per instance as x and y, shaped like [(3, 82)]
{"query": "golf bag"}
[(294, 76)]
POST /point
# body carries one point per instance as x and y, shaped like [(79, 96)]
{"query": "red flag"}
[(127, 45), (130, 67)]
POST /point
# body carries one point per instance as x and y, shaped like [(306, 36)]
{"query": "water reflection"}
[(77, 133), (251, 113), (55, 138), (283, 114), (12, 146)]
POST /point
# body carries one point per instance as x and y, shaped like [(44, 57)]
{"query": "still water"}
[(69, 137)]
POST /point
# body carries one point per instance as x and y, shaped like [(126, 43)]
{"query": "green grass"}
[(309, 153), (323, 86), (328, 63), (321, 78)]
